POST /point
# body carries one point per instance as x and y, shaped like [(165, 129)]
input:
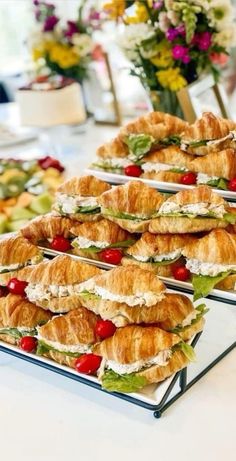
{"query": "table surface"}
[(45, 416)]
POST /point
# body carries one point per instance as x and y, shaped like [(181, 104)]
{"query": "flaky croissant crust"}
[(102, 231), (157, 124), (150, 245), (171, 155), (48, 226), (199, 194), (85, 186), (208, 127), (218, 247), (133, 343), (182, 225), (221, 164), (16, 250), (115, 148), (16, 311)]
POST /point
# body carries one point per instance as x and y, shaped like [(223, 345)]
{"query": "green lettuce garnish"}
[(139, 144), (220, 183), (87, 295), (17, 334), (108, 167), (113, 382), (171, 140), (94, 249), (203, 284), (88, 209), (187, 350), (203, 142), (165, 262), (43, 348), (202, 310), (122, 215), (230, 218)]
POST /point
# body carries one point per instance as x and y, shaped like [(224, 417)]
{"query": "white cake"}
[(46, 104)]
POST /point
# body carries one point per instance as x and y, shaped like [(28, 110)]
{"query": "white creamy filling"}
[(36, 292), (80, 348), (20, 329), (158, 258), (83, 242), (14, 267), (113, 162), (148, 299), (70, 203), (160, 359), (203, 178), (190, 317), (211, 269), (200, 208), (230, 136), (150, 166)]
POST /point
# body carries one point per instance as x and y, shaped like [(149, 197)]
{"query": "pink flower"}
[(171, 34), (202, 40), (157, 5), (71, 29), (186, 59), (50, 23), (178, 51), (219, 58)]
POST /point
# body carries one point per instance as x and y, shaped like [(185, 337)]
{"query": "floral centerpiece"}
[(64, 49), (171, 43)]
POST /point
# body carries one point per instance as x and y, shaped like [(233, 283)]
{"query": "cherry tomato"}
[(188, 179), (111, 256), (50, 162), (133, 170), (232, 185), (88, 363), (3, 291), (105, 328), (17, 287), (28, 343), (181, 273), (60, 243)]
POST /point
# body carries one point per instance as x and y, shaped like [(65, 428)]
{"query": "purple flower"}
[(157, 5), (202, 40), (36, 2), (94, 15), (50, 23), (186, 59), (72, 29), (171, 34), (178, 51), (181, 30)]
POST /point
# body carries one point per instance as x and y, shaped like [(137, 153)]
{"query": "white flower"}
[(204, 4), (173, 17), (132, 37), (226, 37), (220, 14), (83, 44), (164, 22), (169, 4)]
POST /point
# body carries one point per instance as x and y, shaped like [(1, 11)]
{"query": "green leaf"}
[(88, 295), (165, 262), (108, 167), (122, 215), (187, 350), (139, 144), (220, 183), (203, 142), (88, 209), (15, 333), (230, 218), (113, 382), (203, 284), (94, 249), (43, 348), (171, 140), (202, 310)]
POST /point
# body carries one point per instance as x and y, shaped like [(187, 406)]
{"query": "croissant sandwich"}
[(54, 284), (66, 337), (136, 356), (112, 156), (215, 169), (194, 210), (211, 260), (157, 252), (45, 228), (15, 253), (77, 198), (209, 134), (19, 317), (167, 164), (131, 285), (131, 206), (92, 238)]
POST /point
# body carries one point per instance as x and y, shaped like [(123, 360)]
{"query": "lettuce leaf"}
[(230, 218), (171, 140), (88, 295), (113, 382), (220, 183), (165, 262), (94, 249), (187, 350), (106, 166), (202, 310), (17, 334), (139, 144), (203, 142), (121, 215), (88, 209), (203, 284), (43, 348)]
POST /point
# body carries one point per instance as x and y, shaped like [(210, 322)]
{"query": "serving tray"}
[(216, 341), (162, 186), (227, 296)]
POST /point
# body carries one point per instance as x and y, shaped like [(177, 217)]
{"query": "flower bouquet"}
[(63, 49), (171, 43)]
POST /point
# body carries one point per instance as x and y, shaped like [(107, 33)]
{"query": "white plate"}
[(224, 295), (160, 185), (18, 137)]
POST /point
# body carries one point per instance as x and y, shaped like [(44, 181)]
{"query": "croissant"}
[(150, 245), (162, 271), (221, 164), (218, 247), (18, 312), (172, 310), (156, 374), (171, 155), (113, 149), (229, 283), (102, 231), (163, 176), (156, 124), (85, 186), (17, 250), (192, 330), (133, 343), (47, 227), (200, 194), (182, 225)]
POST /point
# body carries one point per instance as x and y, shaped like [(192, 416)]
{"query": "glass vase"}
[(165, 101)]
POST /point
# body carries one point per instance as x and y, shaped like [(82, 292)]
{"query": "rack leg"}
[(183, 379), (157, 414)]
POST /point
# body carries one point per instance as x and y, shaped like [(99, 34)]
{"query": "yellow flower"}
[(38, 53), (63, 55), (115, 8), (163, 58), (141, 14), (171, 78)]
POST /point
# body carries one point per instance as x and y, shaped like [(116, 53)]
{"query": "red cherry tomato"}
[(3, 291), (60, 243), (232, 185), (105, 328), (133, 170), (17, 287), (50, 162), (111, 256), (188, 179), (88, 363), (181, 273), (28, 343)]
